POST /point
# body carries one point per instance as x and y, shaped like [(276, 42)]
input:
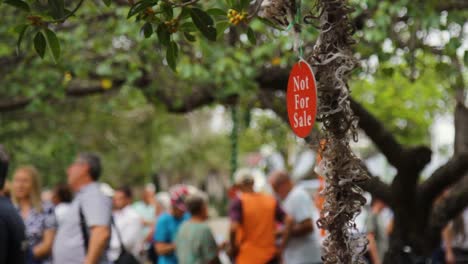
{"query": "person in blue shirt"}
[(168, 224)]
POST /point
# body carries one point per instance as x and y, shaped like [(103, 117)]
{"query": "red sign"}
[(301, 99)]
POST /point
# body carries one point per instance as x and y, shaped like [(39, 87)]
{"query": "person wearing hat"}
[(254, 218), (168, 225)]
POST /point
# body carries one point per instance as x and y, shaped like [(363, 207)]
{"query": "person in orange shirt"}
[(254, 217)]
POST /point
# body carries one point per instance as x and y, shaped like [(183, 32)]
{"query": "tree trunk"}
[(414, 236)]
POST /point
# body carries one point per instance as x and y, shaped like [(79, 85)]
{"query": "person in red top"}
[(254, 217)]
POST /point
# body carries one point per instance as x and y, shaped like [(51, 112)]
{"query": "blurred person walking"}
[(254, 217), (38, 217), (168, 225), (147, 210), (13, 243), (377, 232), (126, 226), (302, 247), (456, 239), (62, 197), (195, 243), (84, 235)]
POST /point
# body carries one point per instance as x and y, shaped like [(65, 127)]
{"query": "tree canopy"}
[(413, 57)]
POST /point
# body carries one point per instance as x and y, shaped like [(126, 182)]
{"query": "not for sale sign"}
[(301, 99)]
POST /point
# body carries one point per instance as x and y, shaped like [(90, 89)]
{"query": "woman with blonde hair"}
[(38, 217)]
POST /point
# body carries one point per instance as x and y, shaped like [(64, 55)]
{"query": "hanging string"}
[(234, 139), (295, 25)]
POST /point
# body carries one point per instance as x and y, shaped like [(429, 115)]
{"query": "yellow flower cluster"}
[(106, 84), (235, 17), (67, 77)]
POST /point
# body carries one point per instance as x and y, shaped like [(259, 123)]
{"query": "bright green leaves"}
[(204, 23), (169, 19), (173, 22), (47, 39), (43, 38), (40, 44)]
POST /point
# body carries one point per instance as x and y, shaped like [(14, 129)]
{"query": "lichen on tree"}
[(333, 60)]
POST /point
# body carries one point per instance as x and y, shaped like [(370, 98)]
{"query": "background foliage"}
[(413, 56)]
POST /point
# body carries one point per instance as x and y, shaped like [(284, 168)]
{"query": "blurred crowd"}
[(85, 221)]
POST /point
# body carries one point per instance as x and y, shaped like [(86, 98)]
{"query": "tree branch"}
[(14, 104), (202, 96), (75, 90), (415, 158), (450, 5), (383, 139), (461, 128), (443, 177), (378, 189), (450, 207)]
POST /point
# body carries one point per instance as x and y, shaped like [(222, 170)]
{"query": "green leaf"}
[(172, 53), (107, 2), (188, 27), (18, 4), (230, 3), (233, 4), (221, 27), (163, 34), (204, 23), (216, 12), (185, 13), (147, 30), (57, 8), (251, 36), (465, 58), (53, 43), (388, 71), (189, 37), (140, 6), (168, 11), (40, 44), (21, 30)]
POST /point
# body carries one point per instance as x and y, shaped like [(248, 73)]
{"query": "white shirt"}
[(60, 211), (97, 210), (147, 213), (304, 249), (129, 225)]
